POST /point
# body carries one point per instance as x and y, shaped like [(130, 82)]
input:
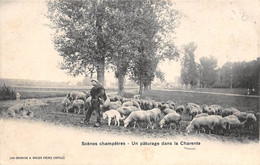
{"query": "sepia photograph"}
[(85, 82)]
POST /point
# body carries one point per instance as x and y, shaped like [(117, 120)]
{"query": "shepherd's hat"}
[(94, 80)]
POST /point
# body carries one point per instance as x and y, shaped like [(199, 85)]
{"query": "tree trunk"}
[(121, 81), (101, 48), (101, 71), (145, 87), (141, 89)]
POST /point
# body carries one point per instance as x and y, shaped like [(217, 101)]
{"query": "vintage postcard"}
[(129, 82)]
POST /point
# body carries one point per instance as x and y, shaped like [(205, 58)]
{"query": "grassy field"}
[(243, 103), (44, 92), (239, 91), (52, 113)]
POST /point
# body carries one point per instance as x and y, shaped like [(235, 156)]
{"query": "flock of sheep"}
[(209, 119)]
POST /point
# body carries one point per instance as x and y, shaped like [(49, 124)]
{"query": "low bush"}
[(7, 93)]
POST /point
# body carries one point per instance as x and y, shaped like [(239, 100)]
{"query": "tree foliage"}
[(91, 35), (240, 75), (189, 70), (154, 21), (208, 71)]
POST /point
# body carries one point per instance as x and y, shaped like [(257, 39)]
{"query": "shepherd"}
[(98, 97)]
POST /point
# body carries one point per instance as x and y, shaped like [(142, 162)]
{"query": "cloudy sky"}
[(224, 29)]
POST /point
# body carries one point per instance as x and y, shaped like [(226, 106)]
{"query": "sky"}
[(227, 30)]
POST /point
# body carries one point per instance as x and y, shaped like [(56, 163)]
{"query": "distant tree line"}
[(206, 74)]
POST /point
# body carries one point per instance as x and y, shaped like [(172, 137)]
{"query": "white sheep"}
[(136, 96), (127, 110), (171, 104), (131, 103), (201, 115), (72, 95), (155, 114), (250, 121), (233, 123), (148, 105), (205, 108), (66, 104), (137, 116), (205, 123), (229, 111), (189, 106), (171, 118), (113, 114), (215, 109), (115, 105), (15, 109), (194, 111), (81, 96), (168, 111), (78, 105), (241, 116), (179, 109)]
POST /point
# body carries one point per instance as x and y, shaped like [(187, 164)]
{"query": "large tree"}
[(91, 35), (154, 22), (189, 70), (208, 71), (83, 35)]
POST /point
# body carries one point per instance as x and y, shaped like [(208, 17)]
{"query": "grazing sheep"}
[(113, 114), (211, 111), (125, 100), (179, 109), (115, 98), (226, 112), (201, 115), (171, 118), (66, 104), (229, 111), (216, 109), (127, 110), (148, 105), (155, 104), (136, 96), (233, 123), (205, 123), (154, 114), (72, 95), (159, 105), (189, 106), (168, 111), (11, 112), (250, 121), (78, 105), (165, 106), (15, 109), (194, 111), (234, 110), (81, 96), (171, 104), (115, 105), (241, 116), (30, 113), (137, 116), (131, 103), (205, 108)]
